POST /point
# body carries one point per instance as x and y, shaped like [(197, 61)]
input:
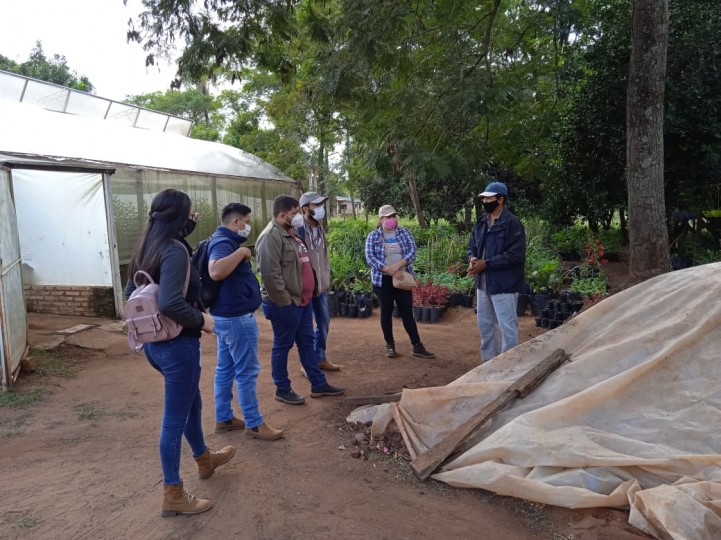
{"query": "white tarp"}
[(32, 131), (633, 421), (63, 228)]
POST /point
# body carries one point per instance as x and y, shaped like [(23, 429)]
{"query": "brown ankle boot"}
[(264, 432), (178, 502), (208, 462), (229, 425), (326, 365)]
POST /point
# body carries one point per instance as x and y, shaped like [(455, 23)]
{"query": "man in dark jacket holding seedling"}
[(497, 258)]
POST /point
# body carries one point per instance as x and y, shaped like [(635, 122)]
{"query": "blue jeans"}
[(497, 311), (292, 325), (178, 360), (322, 324), (237, 360)]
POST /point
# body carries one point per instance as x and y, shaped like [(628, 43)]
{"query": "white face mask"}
[(297, 221), (244, 233), (319, 213)]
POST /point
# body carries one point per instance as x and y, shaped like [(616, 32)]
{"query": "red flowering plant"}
[(439, 295), (421, 294), (430, 295), (595, 252)]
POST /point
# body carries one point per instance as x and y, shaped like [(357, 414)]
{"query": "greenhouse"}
[(82, 183)]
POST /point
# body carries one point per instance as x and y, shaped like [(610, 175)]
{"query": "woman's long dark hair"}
[(168, 213)]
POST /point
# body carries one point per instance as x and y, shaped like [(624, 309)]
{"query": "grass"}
[(17, 398), (27, 522), (13, 427), (57, 363), (91, 411), (88, 411)]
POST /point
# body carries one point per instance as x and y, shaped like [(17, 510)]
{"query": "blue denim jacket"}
[(505, 247)]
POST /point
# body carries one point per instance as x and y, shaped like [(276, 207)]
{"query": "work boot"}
[(326, 390), (264, 432), (391, 350), (289, 397), (420, 351), (233, 424), (178, 502), (325, 365), (208, 462)]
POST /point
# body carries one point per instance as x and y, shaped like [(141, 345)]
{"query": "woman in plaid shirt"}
[(390, 249)]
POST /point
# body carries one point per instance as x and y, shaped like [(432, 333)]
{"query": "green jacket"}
[(279, 265)]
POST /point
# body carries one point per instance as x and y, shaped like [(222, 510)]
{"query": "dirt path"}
[(82, 462)]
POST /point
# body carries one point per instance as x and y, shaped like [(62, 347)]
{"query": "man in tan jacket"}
[(288, 284), (312, 231)]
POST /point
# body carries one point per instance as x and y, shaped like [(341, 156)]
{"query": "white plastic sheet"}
[(633, 421), (32, 131), (63, 228)]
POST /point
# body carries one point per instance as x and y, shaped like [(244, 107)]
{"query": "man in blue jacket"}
[(497, 257), (235, 325)]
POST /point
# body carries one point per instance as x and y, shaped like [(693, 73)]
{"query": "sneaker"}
[(289, 397), (420, 351), (229, 425), (391, 350), (326, 390)]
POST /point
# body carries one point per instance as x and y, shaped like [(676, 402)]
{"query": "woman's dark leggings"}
[(388, 295)]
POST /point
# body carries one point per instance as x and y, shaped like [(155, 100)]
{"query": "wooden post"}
[(424, 465)]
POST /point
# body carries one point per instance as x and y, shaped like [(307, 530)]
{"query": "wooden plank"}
[(373, 400), (424, 465)]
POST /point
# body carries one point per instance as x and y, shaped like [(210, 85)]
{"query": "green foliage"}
[(707, 256), (570, 239), (19, 398), (346, 248), (54, 70), (544, 268), (590, 286)]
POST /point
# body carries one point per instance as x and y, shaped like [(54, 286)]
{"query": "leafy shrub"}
[(346, 247), (544, 268)]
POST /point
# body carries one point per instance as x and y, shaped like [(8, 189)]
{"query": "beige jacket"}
[(279, 265)]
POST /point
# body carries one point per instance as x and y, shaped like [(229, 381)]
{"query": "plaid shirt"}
[(376, 252)]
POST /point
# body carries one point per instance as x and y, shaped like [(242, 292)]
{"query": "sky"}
[(91, 34)]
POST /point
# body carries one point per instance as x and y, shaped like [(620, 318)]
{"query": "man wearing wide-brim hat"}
[(497, 258)]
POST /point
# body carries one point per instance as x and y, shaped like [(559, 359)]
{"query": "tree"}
[(648, 232), (54, 70), (202, 108)]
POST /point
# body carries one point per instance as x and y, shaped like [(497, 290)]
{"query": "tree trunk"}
[(648, 232), (624, 226), (413, 190), (321, 166), (468, 217), (348, 154)]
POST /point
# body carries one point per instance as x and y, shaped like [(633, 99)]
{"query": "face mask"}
[(318, 213), (391, 223), (296, 222), (188, 228), (490, 207), (244, 233)]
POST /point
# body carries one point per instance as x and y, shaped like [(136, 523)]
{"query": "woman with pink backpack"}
[(161, 261)]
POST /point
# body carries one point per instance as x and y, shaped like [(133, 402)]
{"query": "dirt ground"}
[(78, 451)]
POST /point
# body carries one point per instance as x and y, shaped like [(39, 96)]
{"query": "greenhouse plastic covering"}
[(65, 100), (633, 421), (32, 131)]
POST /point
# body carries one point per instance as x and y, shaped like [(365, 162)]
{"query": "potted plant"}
[(419, 300), (438, 299)]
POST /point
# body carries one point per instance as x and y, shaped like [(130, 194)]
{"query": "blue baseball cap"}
[(495, 188)]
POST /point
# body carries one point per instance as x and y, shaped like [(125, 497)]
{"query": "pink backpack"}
[(146, 324)]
